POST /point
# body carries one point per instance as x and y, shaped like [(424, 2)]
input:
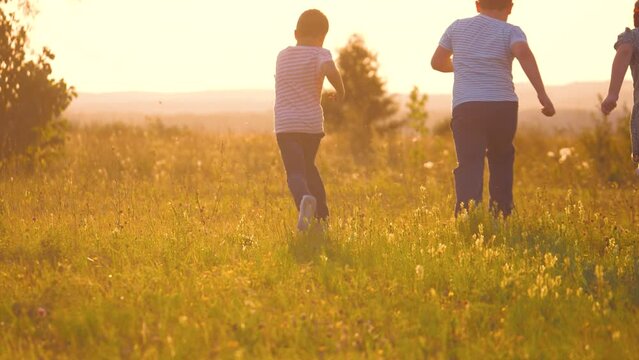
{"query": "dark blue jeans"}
[(298, 154), (480, 130)]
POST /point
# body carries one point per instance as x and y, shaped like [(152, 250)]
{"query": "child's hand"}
[(609, 104), (548, 108)]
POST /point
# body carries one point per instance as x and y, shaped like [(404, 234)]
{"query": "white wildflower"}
[(564, 154), (419, 272)]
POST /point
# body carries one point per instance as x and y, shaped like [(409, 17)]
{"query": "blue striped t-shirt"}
[(482, 58)]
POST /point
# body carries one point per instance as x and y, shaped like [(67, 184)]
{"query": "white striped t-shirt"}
[(298, 89), (482, 58)]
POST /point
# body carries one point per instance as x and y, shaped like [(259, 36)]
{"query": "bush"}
[(607, 145), (30, 101)]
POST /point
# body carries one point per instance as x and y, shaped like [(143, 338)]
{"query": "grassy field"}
[(158, 242)]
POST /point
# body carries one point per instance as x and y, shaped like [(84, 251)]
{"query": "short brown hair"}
[(495, 4), (312, 23)]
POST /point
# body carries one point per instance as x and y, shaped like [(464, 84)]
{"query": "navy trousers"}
[(298, 154), (480, 130)]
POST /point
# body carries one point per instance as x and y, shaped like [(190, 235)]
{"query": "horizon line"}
[(192, 92)]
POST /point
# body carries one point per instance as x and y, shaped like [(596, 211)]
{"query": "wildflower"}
[(419, 272), (183, 320), (612, 248), (169, 341), (551, 154), (564, 154), (479, 239), (599, 273), (441, 248), (543, 292), (41, 312), (429, 165), (550, 260)]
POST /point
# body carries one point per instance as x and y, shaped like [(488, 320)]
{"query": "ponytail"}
[(636, 16)]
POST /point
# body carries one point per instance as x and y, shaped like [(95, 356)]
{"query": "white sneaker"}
[(307, 212)]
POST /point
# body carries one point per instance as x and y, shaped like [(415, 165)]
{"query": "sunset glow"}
[(193, 45)]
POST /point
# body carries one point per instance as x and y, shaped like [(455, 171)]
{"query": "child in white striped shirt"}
[(299, 119), (480, 51)]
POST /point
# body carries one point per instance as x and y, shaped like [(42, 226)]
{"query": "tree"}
[(367, 109), (31, 102)]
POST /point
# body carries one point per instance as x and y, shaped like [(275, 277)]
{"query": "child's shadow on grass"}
[(309, 247)]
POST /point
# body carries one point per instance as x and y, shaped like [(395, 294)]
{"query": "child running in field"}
[(627, 47), (480, 51), (299, 119)]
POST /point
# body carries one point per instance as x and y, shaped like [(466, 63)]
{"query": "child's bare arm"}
[(335, 78), (442, 60), (526, 58), (619, 69)]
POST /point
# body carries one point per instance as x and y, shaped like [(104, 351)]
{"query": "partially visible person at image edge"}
[(480, 51), (627, 47)]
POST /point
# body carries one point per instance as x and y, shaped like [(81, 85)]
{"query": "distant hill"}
[(236, 111), (576, 104), (251, 110), (162, 103), (582, 96)]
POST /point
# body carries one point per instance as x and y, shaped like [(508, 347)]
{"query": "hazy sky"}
[(193, 45)]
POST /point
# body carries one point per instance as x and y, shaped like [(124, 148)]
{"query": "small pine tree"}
[(367, 109)]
